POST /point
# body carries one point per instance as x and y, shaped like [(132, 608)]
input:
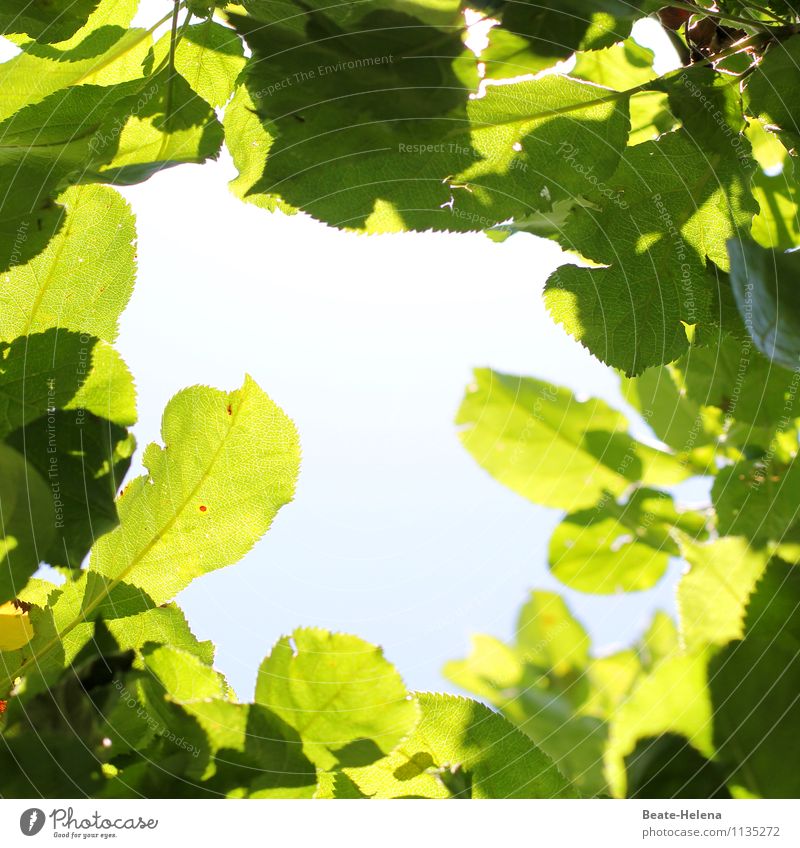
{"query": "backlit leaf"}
[(546, 445), (348, 703), (461, 749)]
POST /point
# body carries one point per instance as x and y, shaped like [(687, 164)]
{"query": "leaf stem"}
[(769, 13), (173, 39), (109, 60), (720, 15)]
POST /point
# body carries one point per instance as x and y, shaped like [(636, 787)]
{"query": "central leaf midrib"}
[(49, 275)]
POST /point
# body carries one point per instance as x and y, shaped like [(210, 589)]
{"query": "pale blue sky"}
[(367, 342)]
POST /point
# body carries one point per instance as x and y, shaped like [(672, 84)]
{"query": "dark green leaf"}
[(765, 283), (45, 20), (754, 686), (28, 527), (655, 223)]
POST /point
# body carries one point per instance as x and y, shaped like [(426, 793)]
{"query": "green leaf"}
[(714, 590), (415, 152), (754, 690), (673, 698), (248, 142), (84, 459), (120, 133), (770, 154), (209, 57), (619, 547), (542, 443), (183, 675), (25, 230), (764, 94), (445, 14), (619, 67), (461, 749), (348, 703), (660, 641), (650, 117), (777, 224), (105, 55), (27, 759), (108, 390), (83, 279), (59, 140), (107, 13), (47, 22), (27, 525), (257, 754), (708, 106), (758, 500), (672, 416), (547, 685), (656, 222), (764, 283), (163, 625), (552, 699), (239, 750), (66, 719), (492, 670), (37, 592), (535, 35), (50, 371), (167, 125), (667, 766), (658, 104), (549, 636), (730, 374), (228, 464)]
